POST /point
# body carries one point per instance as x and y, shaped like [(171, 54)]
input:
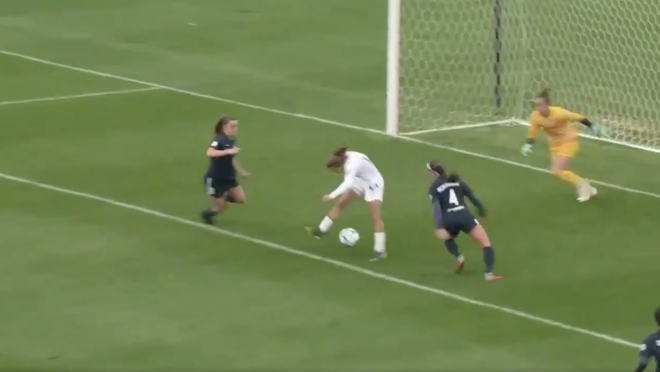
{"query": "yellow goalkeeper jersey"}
[(556, 125)]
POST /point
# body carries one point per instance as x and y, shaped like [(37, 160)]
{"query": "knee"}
[(556, 172), (240, 199)]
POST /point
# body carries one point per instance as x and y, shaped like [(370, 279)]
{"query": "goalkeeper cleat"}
[(585, 192)]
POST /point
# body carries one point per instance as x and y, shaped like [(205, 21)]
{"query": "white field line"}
[(457, 127), (86, 95), (326, 260), (311, 118)]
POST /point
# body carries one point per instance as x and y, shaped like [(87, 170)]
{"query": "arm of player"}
[(241, 171), (349, 180), (531, 137), (573, 116), (437, 211), (644, 358), (481, 208)]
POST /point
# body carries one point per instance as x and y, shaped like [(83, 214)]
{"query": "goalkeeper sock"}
[(452, 247), (489, 259), (570, 177)]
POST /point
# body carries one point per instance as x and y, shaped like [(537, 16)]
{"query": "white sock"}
[(379, 242), (325, 224)]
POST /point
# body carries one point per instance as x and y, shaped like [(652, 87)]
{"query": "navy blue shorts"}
[(217, 188), (457, 222)]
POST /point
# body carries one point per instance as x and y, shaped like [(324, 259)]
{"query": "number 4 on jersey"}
[(452, 197)]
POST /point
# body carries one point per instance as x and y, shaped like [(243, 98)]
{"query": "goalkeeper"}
[(555, 122)]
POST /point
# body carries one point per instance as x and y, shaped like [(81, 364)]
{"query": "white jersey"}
[(362, 176)]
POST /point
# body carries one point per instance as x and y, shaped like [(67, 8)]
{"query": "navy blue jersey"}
[(650, 349), (449, 196), (222, 167)]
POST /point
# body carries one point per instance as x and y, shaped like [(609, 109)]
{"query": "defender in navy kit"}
[(650, 349), (452, 216), (220, 179)]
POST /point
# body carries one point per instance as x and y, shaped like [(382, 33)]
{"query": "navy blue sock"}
[(229, 198), (489, 259), (452, 247)]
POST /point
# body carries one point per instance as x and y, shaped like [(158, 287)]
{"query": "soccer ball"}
[(349, 237)]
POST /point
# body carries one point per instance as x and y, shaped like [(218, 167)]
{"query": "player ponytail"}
[(338, 158), (440, 171), (545, 95), (220, 125), (340, 152)]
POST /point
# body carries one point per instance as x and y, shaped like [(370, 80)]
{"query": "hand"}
[(326, 198), (526, 149), (442, 234), (243, 173), (233, 151)]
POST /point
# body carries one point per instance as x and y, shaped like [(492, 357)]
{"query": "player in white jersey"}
[(361, 179)]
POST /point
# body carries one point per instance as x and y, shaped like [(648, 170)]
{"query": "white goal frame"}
[(393, 82)]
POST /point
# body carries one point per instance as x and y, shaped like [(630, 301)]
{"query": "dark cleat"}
[(208, 217), (316, 232)]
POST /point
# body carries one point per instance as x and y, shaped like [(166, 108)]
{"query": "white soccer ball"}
[(349, 237)]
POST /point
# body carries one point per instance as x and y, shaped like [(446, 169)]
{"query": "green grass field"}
[(104, 265)]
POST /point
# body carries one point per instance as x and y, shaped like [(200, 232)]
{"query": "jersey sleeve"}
[(350, 174), (645, 351), (467, 191), (217, 143), (533, 128), (573, 116), (644, 355), (436, 208)]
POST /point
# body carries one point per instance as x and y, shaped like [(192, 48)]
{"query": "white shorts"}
[(371, 190)]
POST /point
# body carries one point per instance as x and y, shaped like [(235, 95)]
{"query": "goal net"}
[(466, 62)]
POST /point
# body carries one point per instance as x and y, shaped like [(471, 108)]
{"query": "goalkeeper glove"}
[(600, 131), (526, 149)]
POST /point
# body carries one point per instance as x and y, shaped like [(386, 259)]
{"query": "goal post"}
[(460, 64)]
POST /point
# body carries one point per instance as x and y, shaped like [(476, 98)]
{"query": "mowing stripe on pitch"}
[(85, 95), (330, 261), (313, 118)]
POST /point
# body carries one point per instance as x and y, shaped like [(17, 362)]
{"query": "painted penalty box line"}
[(78, 96)]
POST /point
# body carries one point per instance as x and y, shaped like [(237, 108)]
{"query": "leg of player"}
[(218, 204), (379, 230), (561, 159), (452, 248), (334, 213), (478, 233), (236, 195)]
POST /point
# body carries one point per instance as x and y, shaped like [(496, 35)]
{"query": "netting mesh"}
[(600, 58)]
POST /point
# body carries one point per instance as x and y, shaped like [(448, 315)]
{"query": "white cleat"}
[(585, 192)]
